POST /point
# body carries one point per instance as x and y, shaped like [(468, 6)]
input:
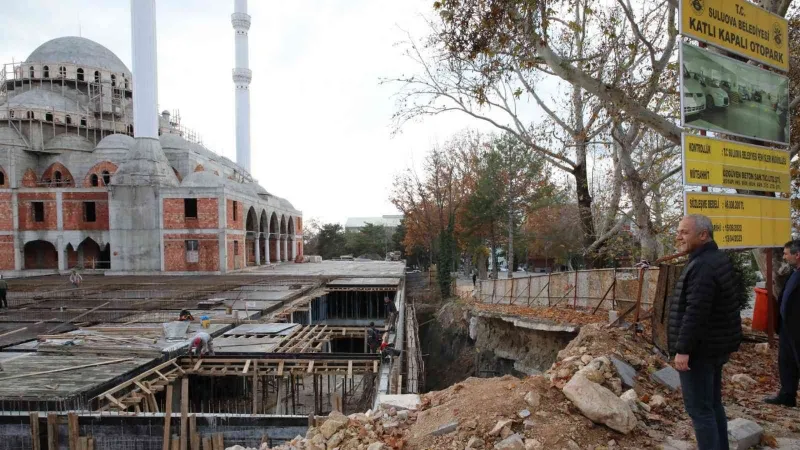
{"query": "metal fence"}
[(607, 288)]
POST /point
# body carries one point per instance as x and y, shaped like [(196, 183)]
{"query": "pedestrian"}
[(474, 277), (391, 312), (201, 344), (3, 290), (704, 329), (75, 278), (789, 331)]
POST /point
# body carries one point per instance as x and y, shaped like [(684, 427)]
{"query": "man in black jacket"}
[(704, 329), (789, 330)]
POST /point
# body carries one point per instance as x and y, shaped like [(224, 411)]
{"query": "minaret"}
[(241, 79)]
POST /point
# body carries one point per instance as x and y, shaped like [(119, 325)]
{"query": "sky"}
[(321, 128)]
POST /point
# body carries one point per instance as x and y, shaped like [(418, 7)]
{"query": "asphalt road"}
[(750, 118)]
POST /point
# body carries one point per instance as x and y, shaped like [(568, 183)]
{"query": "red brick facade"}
[(7, 252), (207, 214), (29, 179), (232, 257), (235, 222), (72, 204), (40, 255), (49, 176), (98, 169), (175, 254), (6, 212), (25, 209)]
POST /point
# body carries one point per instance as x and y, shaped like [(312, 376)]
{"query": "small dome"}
[(173, 142), (69, 142), (40, 98), (116, 142), (203, 179), (79, 51)]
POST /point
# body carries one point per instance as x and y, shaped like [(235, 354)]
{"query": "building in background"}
[(390, 222)]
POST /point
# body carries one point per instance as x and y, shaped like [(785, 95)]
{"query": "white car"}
[(694, 98), (716, 97)]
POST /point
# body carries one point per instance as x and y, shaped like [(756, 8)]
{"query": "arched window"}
[(11, 113), (113, 80), (32, 72), (62, 72), (83, 121), (106, 178), (30, 115), (69, 120), (130, 130), (46, 72), (80, 74), (95, 180), (48, 117), (57, 177), (2, 179), (125, 82), (96, 76)]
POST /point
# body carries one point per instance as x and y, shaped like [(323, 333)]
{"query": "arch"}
[(283, 224), (32, 72), (69, 119), (11, 114), (29, 179), (263, 223), (48, 117), (46, 72), (96, 76), (62, 72), (88, 253), (290, 227), (58, 175), (40, 254), (273, 223), (30, 115), (199, 168), (113, 80), (101, 172), (273, 237), (80, 74), (251, 224), (177, 174), (130, 130)]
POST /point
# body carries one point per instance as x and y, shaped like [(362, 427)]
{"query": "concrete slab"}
[(332, 269), (378, 281), (625, 371), (282, 329), (743, 434), (667, 377), (399, 402)]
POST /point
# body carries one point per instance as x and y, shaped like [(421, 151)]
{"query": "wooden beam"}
[(374, 366), (83, 442), (73, 430), (219, 441), (52, 431), (197, 366), (116, 402), (194, 438), (35, 441), (310, 367), (280, 369), (66, 369), (246, 367), (184, 411), (142, 387), (350, 369), (207, 443), (167, 417)]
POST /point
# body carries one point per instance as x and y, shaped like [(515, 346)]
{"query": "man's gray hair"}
[(793, 246), (702, 223)]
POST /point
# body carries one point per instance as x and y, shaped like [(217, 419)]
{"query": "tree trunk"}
[(510, 252), (585, 211), (638, 197)]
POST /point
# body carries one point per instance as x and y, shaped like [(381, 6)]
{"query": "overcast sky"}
[(321, 124)]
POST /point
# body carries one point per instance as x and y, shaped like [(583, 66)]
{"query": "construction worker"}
[(185, 316), (201, 345), (373, 338), (391, 312), (75, 278), (3, 290)]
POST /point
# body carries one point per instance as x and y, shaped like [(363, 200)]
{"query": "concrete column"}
[(258, 249), (62, 254), (266, 250), (277, 247), (145, 68), (283, 250), (60, 210), (294, 248), (19, 257), (241, 80)]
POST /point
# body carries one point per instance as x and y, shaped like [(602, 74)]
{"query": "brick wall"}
[(29, 179), (7, 252), (73, 210), (199, 168), (66, 176), (175, 253), (240, 256), (6, 213), (207, 214), (25, 209), (298, 221), (235, 223), (98, 169)]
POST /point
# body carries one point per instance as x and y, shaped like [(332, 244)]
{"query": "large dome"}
[(79, 51)]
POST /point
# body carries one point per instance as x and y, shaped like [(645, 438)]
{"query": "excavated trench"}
[(457, 344)]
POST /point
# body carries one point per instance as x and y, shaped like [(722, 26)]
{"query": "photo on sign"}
[(727, 96)]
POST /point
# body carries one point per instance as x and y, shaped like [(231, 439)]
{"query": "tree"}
[(370, 240), (331, 241)]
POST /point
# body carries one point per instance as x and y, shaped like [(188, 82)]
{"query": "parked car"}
[(694, 99), (744, 94), (716, 97), (726, 86)]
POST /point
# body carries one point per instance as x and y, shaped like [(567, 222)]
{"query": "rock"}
[(392, 412), (572, 445), (599, 404), (657, 401), (399, 402), (402, 415), (498, 427), (505, 432), (474, 443), (335, 440), (586, 359), (513, 442), (470, 424), (533, 399), (625, 371), (744, 380), (631, 399), (332, 425), (376, 446), (533, 444), (528, 424), (674, 444), (524, 414), (743, 434), (446, 428), (592, 374), (762, 348), (667, 377), (564, 373), (391, 424), (615, 384)]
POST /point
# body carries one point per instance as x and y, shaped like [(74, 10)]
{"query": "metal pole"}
[(770, 302)]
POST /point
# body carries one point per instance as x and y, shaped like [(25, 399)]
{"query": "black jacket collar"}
[(710, 245)]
